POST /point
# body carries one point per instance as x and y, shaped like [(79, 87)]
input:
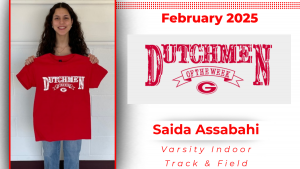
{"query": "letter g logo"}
[(207, 87)]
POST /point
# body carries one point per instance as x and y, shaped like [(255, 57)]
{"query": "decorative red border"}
[(115, 86), (207, 5), (159, 5), (115, 99), (9, 86)]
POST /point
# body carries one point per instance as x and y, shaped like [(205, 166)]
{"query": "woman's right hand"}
[(29, 60)]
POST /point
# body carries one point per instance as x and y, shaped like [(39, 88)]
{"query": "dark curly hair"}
[(48, 38)]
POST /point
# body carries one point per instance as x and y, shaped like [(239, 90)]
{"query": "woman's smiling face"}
[(61, 21)]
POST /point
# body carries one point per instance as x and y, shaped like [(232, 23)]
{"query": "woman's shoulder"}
[(42, 57), (79, 57)]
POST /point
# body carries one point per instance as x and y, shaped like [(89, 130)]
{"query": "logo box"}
[(264, 80)]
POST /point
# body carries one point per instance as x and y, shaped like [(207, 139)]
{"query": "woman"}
[(62, 36), (59, 40)]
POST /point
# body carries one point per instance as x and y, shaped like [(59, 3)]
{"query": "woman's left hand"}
[(93, 58)]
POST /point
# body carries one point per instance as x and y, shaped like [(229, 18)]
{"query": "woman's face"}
[(61, 21)]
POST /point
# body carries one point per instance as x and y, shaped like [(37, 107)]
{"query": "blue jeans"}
[(71, 154)]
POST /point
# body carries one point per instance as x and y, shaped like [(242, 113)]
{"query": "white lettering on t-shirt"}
[(63, 81)]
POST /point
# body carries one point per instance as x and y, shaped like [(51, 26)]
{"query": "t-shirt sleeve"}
[(26, 76), (97, 74)]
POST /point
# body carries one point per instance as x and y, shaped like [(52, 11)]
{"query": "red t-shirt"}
[(62, 100)]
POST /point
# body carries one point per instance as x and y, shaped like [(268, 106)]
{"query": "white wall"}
[(27, 19)]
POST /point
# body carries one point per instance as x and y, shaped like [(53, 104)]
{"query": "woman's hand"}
[(93, 58), (29, 60)]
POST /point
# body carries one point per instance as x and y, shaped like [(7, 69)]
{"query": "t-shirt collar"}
[(62, 59)]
